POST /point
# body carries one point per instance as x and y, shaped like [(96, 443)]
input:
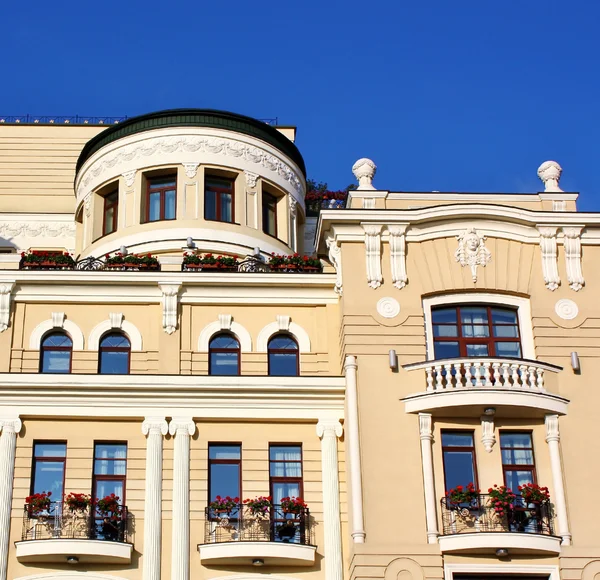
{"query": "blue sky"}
[(461, 95)]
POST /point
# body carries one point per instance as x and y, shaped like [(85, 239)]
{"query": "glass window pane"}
[(154, 207), (515, 440), (508, 349), (110, 467), (444, 315), (458, 468), (170, 201), (224, 452), (446, 350), (516, 478), (473, 315), (477, 350), (285, 489), (114, 362), (49, 476), (444, 330), (105, 487), (223, 363), (283, 364), (115, 340), (56, 361), (517, 457), (506, 331), (224, 480), (454, 439), (57, 339), (502, 316), (475, 331), (285, 453), (224, 341), (108, 220), (162, 182), (283, 342), (50, 450), (210, 205), (225, 201)]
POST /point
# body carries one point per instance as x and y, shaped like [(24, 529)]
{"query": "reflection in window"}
[(48, 470), (161, 198), (218, 199), (224, 355), (518, 462), (224, 471), (283, 356), (475, 331), (56, 352), (459, 458), (114, 355), (285, 471), (111, 207), (110, 468), (269, 214)]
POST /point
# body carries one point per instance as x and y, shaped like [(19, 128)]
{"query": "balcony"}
[(467, 386), (477, 528), (60, 535), (239, 537)]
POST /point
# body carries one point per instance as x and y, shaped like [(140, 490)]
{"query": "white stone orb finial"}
[(364, 171), (549, 172)]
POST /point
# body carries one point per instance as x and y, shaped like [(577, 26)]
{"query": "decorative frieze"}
[(572, 243), (549, 257), (6, 289), (472, 252), (398, 255), (170, 294), (373, 254)]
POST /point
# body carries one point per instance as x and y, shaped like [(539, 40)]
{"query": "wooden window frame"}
[(238, 350), (96, 478), (108, 205), (35, 460), (460, 449), (278, 479), (463, 340), (218, 191), (283, 351), (102, 349), (44, 349), (269, 201), (212, 462), (162, 191), (513, 466)]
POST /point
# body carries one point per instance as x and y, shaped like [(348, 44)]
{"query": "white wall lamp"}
[(190, 243), (393, 361)]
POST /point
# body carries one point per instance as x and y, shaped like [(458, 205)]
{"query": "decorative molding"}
[(335, 257), (191, 169), (69, 326), (549, 172), (488, 432), (549, 257), (388, 307), (35, 229), (472, 252), (116, 319), (132, 332), (170, 294), (293, 205), (559, 205), (502, 570), (251, 179), (398, 255), (129, 177), (364, 171), (301, 336), (283, 322), (566, 309), (10, 425), (373, 254), (215, 327), (425, 426), (58, 319), (155, 425), (572, 243), (6, 289), (225, 321), (183, 425), (329, 428), (368, 203), (552, 432), (87, 204)]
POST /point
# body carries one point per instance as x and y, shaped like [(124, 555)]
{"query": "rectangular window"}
[(459, 459), (161, 198), (110, 470), (518, 463), (48, 468), (285, 471), (224, 470), (475, 331), (218, 199), (111, 207), (269, 214)]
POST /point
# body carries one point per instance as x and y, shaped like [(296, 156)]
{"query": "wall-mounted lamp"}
[(393, 360), (489, 411), (258, 562), (190, 243), (575, 362), (501, 552), (123, 250), (72, 560), (256, 251)]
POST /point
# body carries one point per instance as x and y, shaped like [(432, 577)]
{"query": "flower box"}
[(196, 261), (131, 262), (47, 260)]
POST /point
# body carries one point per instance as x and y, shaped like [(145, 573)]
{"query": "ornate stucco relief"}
[(572, 242), (472, 252), (398, 255), (373, 254), (549, 257), (170, 294), (335, 256)]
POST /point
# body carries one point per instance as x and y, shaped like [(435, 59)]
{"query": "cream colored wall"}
[(254, 437), (37, 166)]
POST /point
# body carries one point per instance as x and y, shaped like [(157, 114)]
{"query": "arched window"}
[(283, 356), (224, 355), (114, 355), (56, 352)]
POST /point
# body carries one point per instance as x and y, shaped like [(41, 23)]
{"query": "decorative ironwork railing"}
[(80, 120), (240, 524), (481, 515), (61, 522), (313, 208), (252, 264), (450, 374)]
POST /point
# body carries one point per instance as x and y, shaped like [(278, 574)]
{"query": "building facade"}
[(187, 392)]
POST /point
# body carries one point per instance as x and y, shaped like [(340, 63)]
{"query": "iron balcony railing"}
[(240, 524), (61, 522), (481, 515)]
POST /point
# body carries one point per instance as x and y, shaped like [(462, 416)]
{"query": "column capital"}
[(552, 432), (10, 424), (350, 362), (182, 425), (425, 426), (155, 425), (329, 428)]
